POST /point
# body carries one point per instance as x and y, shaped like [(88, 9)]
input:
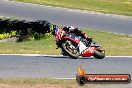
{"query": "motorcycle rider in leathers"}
[(76, 31)]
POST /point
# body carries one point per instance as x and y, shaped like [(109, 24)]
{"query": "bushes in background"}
[(24, 29), (8, 35)]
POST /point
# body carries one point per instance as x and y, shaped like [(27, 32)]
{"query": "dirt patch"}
[(44, 86)]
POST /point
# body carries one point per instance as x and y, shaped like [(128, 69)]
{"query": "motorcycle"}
[(75, 46)]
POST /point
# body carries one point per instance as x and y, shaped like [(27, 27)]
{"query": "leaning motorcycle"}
[(75, 46)]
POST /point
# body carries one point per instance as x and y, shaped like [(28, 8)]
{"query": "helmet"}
[(71, 28)]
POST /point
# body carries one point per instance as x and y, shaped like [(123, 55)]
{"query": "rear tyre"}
[(71, 52), (99, 55)]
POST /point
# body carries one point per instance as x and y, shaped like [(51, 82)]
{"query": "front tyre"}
[(70, 48), (63, 53), (98, 55)]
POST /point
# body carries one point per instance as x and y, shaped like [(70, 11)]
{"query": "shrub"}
[(24, 29)]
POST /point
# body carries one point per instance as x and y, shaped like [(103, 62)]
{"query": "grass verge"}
[(123, 7), (114, 44), (47, 83), (41, 83), (35, 81)]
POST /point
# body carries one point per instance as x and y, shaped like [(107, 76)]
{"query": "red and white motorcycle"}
[(75, 46)]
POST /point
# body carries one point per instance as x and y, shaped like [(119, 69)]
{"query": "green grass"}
[(123, 7), (43, 46), (114, 44)]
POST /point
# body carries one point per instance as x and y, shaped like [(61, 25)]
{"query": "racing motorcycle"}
[(75, 46)]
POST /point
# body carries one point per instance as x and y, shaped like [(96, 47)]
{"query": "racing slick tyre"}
[(70, 49), (63, 53), (98, 55)]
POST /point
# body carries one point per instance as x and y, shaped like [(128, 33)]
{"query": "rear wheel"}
[(70, 48)]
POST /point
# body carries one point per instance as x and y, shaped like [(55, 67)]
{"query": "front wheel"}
[(70, 48), (63, 53), (98, 55)]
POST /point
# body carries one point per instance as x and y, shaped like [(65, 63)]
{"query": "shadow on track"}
[(66, 57)]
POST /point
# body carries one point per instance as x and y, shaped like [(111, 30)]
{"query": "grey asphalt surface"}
[(60, 67), (63, 67), (65, 17)]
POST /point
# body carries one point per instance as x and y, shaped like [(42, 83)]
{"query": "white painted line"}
[(28, 55), (119, 56), (64, 78), (46, 55)]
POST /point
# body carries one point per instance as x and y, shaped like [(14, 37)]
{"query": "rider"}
[(71, 29), (76, 31)]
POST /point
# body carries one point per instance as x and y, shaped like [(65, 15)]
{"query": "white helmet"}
[(71, 28)]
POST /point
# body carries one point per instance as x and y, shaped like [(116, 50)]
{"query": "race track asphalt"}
[(66, 17), (60, 67)]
